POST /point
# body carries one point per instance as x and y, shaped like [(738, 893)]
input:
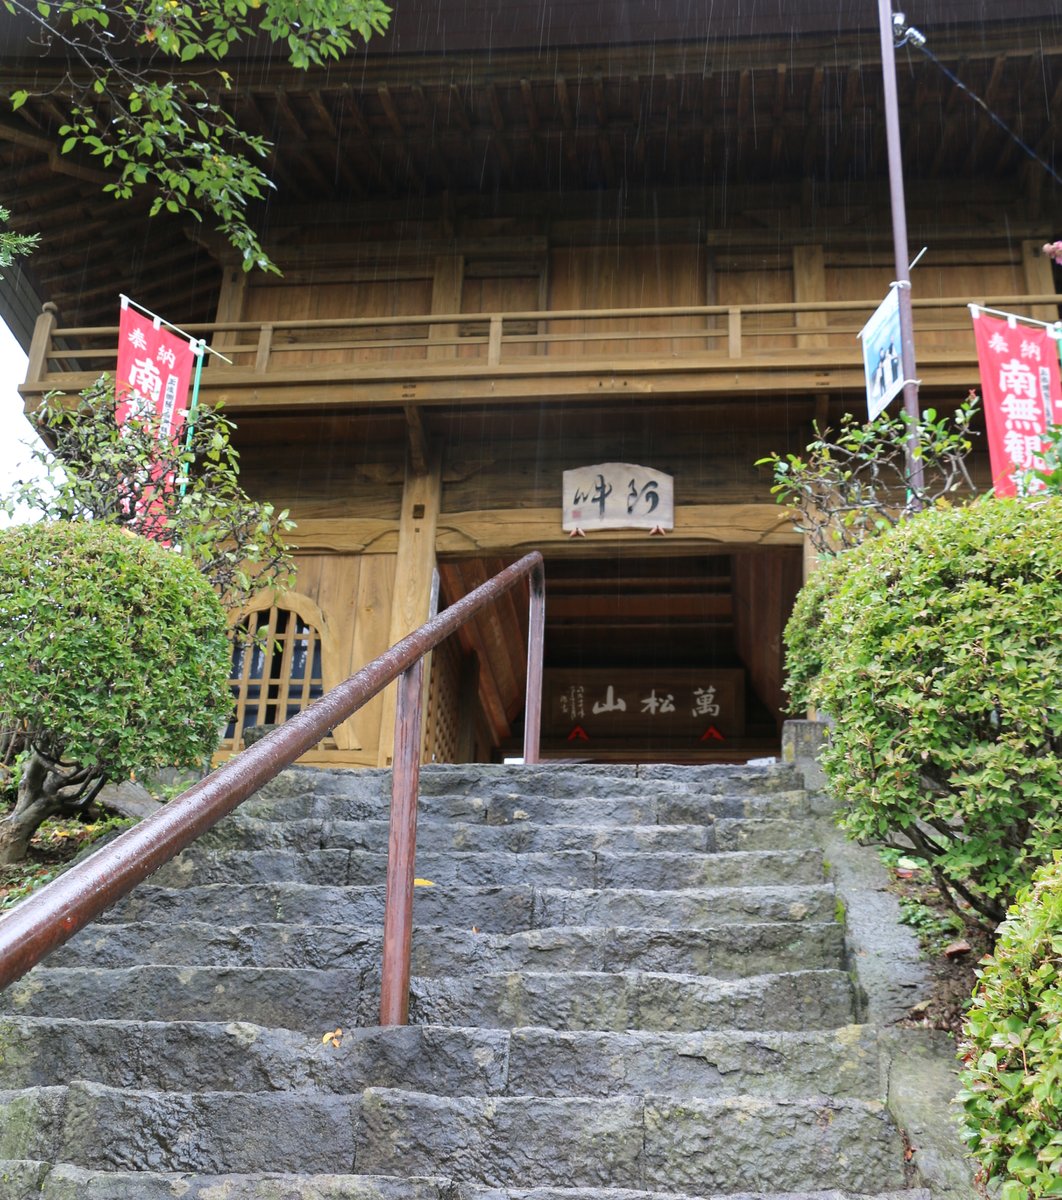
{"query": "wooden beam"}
[(668, 607), (777, 115), (699, 528), (813, 119), (390, 112), (509, 530), (499, 131), (428, 120), (527, 95), (564, 106), (61, 164)]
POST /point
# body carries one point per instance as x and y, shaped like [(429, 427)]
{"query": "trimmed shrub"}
[(935, 647), (1012, 1047), (113, 660)]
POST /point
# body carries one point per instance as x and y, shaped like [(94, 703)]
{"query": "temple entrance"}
[(649, 657)]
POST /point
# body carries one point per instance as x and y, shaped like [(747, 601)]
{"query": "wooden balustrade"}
[(545, 343)]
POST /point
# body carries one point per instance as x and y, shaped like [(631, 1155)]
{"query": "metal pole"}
[(198, 348), (536, 626), (899, 240)]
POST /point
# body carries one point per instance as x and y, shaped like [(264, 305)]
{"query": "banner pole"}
[(193, 409)]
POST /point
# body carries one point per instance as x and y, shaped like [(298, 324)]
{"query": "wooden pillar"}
[(413, 576)]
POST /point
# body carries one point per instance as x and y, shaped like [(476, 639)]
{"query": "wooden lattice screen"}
[(276, 671), (443, 725)]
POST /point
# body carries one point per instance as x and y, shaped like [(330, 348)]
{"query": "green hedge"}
[(113, 649), (936, 648), (1012, 1047)]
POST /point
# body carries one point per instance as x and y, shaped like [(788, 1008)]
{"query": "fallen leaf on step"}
[(423, 883), (335, 1036)]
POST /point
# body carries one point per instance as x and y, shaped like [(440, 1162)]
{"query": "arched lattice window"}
[(276, 671)]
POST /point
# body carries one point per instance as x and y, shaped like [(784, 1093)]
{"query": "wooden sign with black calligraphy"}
[(671, 704)]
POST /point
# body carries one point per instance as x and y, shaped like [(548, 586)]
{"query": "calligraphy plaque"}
[(617, 496), (670, 704)]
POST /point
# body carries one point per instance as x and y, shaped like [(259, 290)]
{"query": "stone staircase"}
[(627, 982)]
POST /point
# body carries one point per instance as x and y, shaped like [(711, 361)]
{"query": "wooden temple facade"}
[(518, 239)]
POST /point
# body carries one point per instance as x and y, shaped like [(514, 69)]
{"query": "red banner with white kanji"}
[(1022, 395), (154, 374)]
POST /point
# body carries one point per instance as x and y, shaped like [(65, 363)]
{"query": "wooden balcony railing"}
[(713, 339)]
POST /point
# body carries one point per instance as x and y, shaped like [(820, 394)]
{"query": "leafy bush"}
[(935, 648), (113, 660), (101, 471), (1012, 1047), (852, 483)]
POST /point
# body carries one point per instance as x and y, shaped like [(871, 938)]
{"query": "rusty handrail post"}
[(402, 849), (536, 634)]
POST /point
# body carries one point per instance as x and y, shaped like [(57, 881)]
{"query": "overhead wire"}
[(913, 37)]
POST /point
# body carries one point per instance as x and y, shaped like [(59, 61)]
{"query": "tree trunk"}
[(38, 799)]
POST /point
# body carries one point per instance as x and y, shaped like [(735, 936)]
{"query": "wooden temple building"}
[(524, 237)]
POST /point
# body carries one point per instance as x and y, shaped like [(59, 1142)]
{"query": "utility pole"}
[(887, 23)]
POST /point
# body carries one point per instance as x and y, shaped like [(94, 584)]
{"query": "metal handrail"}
[(61, 908)]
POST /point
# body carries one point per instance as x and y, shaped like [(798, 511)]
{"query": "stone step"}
[(722, 952), (244, 832), (587, 1000), (122, 1129), (698, 1064), (300, 999), (761, 833), (560, 1193), (656, 1143), (314, 1001), (494, 909), (640, 805), (241, 1057), (238, 1056), (549, 780), (561, 868), (25, 1180)]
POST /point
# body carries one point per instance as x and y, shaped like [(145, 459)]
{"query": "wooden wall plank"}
[(371, 624), (605, 277), (760, 286), (1038, 278)]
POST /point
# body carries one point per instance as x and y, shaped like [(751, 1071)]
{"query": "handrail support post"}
[(536, 632), (401, 849)]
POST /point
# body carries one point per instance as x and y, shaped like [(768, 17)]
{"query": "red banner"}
[(154, 374), (1022, 395)]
